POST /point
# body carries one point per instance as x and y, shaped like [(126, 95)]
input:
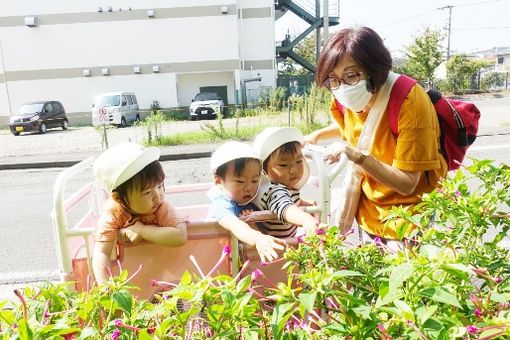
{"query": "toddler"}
[(236, 170), (137, 209), (287, 171)]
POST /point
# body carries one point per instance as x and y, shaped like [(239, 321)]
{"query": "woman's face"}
[(347, 67)]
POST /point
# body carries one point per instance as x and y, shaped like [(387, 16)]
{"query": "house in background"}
[(168, 51)]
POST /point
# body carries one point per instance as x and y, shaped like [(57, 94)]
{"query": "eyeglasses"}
[(349, 78)]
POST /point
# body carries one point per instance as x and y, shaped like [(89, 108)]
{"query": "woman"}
[(394, 170)]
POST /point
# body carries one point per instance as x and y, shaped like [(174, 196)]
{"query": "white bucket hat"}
[(230, 151), (121, 162), (272, 138)]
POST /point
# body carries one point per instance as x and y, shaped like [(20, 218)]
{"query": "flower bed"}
[(454, 283)]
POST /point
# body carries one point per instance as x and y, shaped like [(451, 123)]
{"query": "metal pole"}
[(288, 115), (317, 30), (325, 32), (506, 82), (449, 28), (6, 80)]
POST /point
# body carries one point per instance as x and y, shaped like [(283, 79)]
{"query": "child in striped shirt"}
[(286, 171)]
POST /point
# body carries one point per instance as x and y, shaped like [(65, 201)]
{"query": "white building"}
[(159, 49)]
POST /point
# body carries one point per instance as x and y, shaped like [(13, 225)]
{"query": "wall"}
[(185, 38)]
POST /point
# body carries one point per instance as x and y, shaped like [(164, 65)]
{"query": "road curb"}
[(65, 164)]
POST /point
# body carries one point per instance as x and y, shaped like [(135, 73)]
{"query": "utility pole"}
[(325, 29), (449, 7)]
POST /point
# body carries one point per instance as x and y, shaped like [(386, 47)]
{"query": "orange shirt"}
[(416, 148), (116, 217)]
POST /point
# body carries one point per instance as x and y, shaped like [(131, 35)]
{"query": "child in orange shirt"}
[(137, 209)]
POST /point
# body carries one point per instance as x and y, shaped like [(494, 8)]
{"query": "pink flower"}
[(256, 274), (300, 239), (118, 322), (498, 279), (377, 241), (477, 313), (458, 193), (319, 231), (116, 334), (151, 330), (226, 250), (471, 329)]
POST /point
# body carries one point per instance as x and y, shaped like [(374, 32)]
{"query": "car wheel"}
[(137, 119), (193, 118), (123, 122), (15, 133), (65, 125), (43, 128)]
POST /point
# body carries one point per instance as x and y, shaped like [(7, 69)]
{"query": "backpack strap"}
[(398, 94)]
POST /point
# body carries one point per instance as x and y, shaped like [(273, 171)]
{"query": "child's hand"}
[(245, 212), (129, 235), (266, 247)]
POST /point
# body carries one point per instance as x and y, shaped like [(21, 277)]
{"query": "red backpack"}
[(458, 120)]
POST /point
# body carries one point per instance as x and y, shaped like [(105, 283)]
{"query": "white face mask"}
[(355, 97)]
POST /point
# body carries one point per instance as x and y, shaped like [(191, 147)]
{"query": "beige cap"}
[(121, 162), (230, 151)]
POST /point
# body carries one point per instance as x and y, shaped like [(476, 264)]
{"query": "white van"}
[(115, 108)]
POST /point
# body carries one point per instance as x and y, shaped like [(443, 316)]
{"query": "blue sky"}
[(476, 24)]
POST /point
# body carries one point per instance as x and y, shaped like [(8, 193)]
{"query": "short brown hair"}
[(289, 148), (151, 175), (363, 45)]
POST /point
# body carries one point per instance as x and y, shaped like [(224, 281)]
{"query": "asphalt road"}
[(28, 248)]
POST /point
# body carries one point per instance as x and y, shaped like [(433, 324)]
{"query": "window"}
[(48, 108), (501, 60), (134, 99), (130, 99), (124, 101)]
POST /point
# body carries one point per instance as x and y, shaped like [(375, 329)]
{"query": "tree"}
[(306, 49), (462, 73), (424, 55)]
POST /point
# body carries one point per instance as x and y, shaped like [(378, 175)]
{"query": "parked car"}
[(115, 108), (205, 105), (38, 116)]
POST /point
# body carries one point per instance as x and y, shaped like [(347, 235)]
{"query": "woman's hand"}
[(266, 247), (311, 138), (334, 151)]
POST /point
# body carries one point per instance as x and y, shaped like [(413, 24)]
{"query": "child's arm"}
[(266, 245), (295, 215), (101, 259), (167, 236)]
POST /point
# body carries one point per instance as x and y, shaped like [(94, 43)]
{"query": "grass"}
[(244, 133)]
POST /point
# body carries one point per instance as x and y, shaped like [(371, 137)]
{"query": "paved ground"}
[(62, 148)]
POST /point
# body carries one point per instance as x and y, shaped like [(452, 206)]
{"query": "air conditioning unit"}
[(31, 21)]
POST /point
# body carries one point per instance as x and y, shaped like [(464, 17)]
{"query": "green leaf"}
[(424, 313), (124, 299), (243, 284), (24, 331), (186, 278), (497, 297), (457, 269), (307, 300), (346, 273), (441, 295), (88, 332), (363, 311), (399, 274), (280, 316), (404, 309), (144, 335), (8, 316)]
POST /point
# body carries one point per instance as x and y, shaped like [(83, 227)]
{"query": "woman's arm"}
[(403, 182), (101, 259), (327, 132), (266, 245), (167, 236)]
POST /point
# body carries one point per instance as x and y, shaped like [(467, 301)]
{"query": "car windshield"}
[(206, 96), (27, 109), (108, 101)]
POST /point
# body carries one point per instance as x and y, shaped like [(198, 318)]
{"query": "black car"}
[(38, 116)]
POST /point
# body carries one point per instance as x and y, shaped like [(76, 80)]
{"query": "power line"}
[(481, 28), (477, 3)]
